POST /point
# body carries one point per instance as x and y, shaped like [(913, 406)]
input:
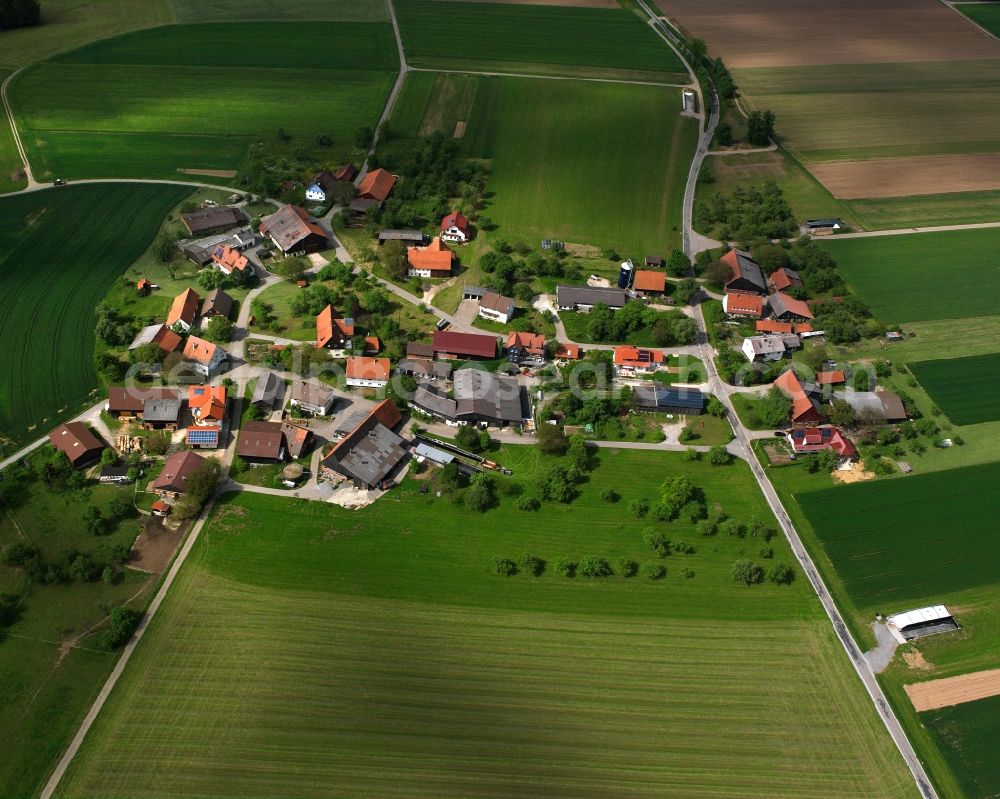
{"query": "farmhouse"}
[(749, 305), (161, 335), (208, 410), (345, 173), (783, 279), (785, 308), (332, 330), (208, 220), (217, 303), (455, 228), (816, 439), (406, 236), (920, 622), (746, 275), (496, 307), (81, 446), (654, 398), (267, 390), (567, 352), (377, 185), (434, 260), (311, 397), (583, 298), (293, 231), (200, 251), (315, 193), (371, 451), (883, 404), (367, 372), (805, 406), (156, 407), (172, 481), (461, 346), (204, 356), (434, 404), (261, 442), (417, 349), (183, 310), (229, 260), (421, 369), (649, 283), (631, 360), (524, 347), (772, 347)]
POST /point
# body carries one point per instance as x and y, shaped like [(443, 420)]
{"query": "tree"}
[(109, 457), (121, 506), (627, 567), (747, 572), (505, 567), (781, 574), (638, 507), (717, 274), (566, 567), (555, 484), (760, 128), (166, 249), (219, 329), (841, 414), (716, 407), (199, 487), (678, 264), (552, 440), (579, 453), (146, 353), (686, 290), (93, 521), (652, 570), (124, 621), (110, 365), (393, 258), (609, 495), (656, 541), (481, 495), (719, 456), (375, 301), (291, 268), (774, 408), (363, 138), (594, 566), (531, 565), (467, 438)]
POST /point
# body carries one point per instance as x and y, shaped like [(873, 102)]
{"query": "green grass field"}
[(504, 37), (835, 112), (286, 10), (46, 690), (880, 535), (60, 251), (10, 161), (985, 14), (559, 169), (967, 734), (959, 208), (81, 117), (923, 276), (967, 390), (372, 653)]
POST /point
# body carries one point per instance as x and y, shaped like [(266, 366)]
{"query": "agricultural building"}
[(172, 480), (413, 237), (649, 283), (746, 275), (461, 346), (293, 231), (748, 305), (208, 220), (583, 298), (785, 308), (80, 445), (654, 398), (920, 622), (434, 260), (161, 335), (261, 442), (783, 279), (805, 406), (370, 452), (377, 185)]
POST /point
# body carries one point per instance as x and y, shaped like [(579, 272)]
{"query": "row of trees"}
[(747, 213), (670, 328), (593, 566)]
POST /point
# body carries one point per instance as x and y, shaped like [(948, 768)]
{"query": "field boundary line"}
[(548, 77), (865, 234), (126, 654), (32, 183), (970, 20), (390, 101)]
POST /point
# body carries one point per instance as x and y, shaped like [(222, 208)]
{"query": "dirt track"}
[(954, 690), (900, 177), (785, 33), (566, 3)]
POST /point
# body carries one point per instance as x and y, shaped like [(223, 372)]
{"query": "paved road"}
[(864, 234)]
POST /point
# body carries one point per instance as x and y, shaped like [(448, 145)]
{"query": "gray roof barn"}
[(589, 296), (433, 403), (487, 396), (368, 454), (161, 410), (267, 390)]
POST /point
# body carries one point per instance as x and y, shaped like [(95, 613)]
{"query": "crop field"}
[(372, 653), (967, 734), (199, 114), (900, 277), (901, 542), (285, 10), (10, 161), (985, 14), (559, 169), (505, 37), (967, 390), (956, 208), (48, 291)]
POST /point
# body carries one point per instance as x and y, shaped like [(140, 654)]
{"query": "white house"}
[(455, 228), (771, 347), (315, 193), (367, 372), (496, 307), (204, 356), (312, 397)]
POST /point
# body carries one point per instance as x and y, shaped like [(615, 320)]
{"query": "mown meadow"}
[(60, 251), (967, 390), (377, 653)]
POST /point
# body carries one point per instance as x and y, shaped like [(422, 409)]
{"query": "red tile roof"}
[(782, 279), (805, 327), (831, 378), (207, 403), (184, 308), (797, 307), (571, 352), (770, 326), (229, 259), (637, 357), (176, 471), (362, 368), (142, 284), (435, 256), (744, 304), (803, 409), (376, 185), (471, 344), (372, 344), (649, 280), (387, 413), (345, 172), (532, 342), (820, 438), (455, 219), (197, 349), (166, 339)]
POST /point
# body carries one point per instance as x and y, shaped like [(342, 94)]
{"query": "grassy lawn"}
[(983, 14), (81, 117), (709, 430), (745, 406), (72, 23), (960, 208), (537, 39), (965, 389), (967, 734), (287, 10), (361, 676), (879, 268), (47, 690), (48, 291), (10, 161), (835, 112), (575, 323)]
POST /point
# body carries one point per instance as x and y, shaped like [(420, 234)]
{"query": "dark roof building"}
[(261, 442), (662, 399), (217, 303), (81, 446), (131, 400), (572, 298), (747, 276), (161, 412), (176, 471), (417, 349), (370, 452), (424, 370), (434, 404), (206, 220), (485, 397), (459, 346), (407, 236), (786, 308), (267, 390), (292, 230)]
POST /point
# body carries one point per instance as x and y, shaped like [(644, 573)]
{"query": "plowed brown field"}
[(900, 177), (954, 690)]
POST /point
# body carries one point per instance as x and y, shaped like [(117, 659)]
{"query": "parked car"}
[(58, 182), (442, 324)]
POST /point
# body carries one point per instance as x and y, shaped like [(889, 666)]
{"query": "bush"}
[(707, 527), (719, 456), (627, 567), (638, 507), (594, 566), (610, 495), (124, 621), (781, 574), (18, 554), (747, 572), (652, 570), (481, 495), (528, 502), (505, 566), (566, 567), (687, 573), (766, 553), (656, 541), (531, 564)]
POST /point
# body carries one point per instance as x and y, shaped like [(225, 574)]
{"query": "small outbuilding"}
[(920, 622)]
